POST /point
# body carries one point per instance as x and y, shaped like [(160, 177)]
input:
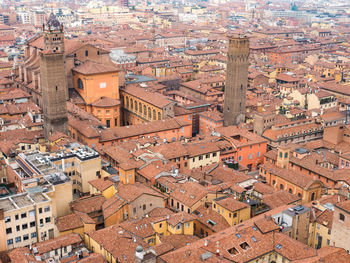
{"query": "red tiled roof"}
[(90, 67)]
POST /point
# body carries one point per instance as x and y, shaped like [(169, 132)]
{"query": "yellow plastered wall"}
[(127, 176), (88, 171), (232, 217), (136, 115), (109, 192), (185, 229), (117, 217), (152, 240), (61, 198), (95, 247), (79, 230), (195, 162), (161, 228)]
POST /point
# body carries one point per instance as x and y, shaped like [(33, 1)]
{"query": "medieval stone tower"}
[(53, 78), (236, 80)]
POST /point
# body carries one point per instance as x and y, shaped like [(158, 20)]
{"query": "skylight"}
[(211, 222)]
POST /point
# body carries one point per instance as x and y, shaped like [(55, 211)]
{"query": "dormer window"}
[(244, 245)]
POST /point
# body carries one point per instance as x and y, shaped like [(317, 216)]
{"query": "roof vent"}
[(205, 256)]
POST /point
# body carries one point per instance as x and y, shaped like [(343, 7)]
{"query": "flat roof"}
[(21, 200), (6, 204)]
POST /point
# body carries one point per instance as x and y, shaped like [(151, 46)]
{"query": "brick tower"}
[(53, 78), (236, 80)]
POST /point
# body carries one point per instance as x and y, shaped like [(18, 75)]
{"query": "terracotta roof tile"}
[(231, 204), (127, 243), (69, 222), (130, 192), (105, 102), (118, 133), (292, 176), (189, 193), (279, 198), (112, 206), (344, 206), (205, 214), (147, 95), (101, 184), (88, 204), (58, 242), (90, 67)]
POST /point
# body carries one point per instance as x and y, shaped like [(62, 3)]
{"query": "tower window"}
[(80, 84), (56, 88), (98, 52), (86, 53)]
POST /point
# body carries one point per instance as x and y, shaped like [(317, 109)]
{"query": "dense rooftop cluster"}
[(175, 131)]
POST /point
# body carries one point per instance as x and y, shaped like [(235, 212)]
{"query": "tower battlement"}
[(53, 78)]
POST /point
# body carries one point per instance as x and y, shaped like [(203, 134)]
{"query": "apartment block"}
[(25, 219)]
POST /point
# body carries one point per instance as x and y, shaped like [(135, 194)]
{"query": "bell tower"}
[(53, 78), (283, 156), (236, 80)]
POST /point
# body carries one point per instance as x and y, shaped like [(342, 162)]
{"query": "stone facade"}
[(236, 80)]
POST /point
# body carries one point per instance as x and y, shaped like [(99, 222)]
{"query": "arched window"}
[(131, 103), (159, 116), (80, 84), (149, 113), (312, 196), (144, 110), (127, 102), (154, 115), (135, 105), (290, 190), (281, 186), (140, 107)]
